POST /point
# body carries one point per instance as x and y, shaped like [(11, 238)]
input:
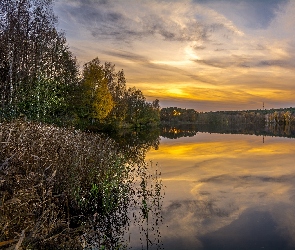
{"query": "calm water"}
[(226, 191), (199, 190)]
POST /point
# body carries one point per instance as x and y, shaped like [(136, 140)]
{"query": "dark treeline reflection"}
[(136, 143), (189, 130), (66, 189), (182, 130)]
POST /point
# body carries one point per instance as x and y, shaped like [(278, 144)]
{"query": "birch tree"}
[(33, 54)]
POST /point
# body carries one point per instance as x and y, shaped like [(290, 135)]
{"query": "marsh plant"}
[(148, 205), (65, 189)]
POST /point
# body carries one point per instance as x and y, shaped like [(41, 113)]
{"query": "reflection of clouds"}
[(283, 214), (227, 175), (254, 229), (190, 219)]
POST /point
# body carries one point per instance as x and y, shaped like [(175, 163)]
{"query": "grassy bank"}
[(58, 186)]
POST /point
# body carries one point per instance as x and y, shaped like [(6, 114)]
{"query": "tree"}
[(34, 58), (135, 103), (117, 86), (175, 114), (97, 99)]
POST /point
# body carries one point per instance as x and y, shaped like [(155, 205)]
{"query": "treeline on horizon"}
[(40, 78), (282, 116)]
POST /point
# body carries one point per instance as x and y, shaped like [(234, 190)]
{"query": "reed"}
[(53, 181)]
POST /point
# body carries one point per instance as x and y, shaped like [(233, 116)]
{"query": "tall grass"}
[(62, 188)]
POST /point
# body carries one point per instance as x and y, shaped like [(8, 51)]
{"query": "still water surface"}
[(199, 190), (226, 191)]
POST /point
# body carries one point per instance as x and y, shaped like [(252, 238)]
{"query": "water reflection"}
[(222, 191), (136, 143), (228, 191), (174, 132), (189, 130)]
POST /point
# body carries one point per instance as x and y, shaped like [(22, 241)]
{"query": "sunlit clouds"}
[(207, 55)]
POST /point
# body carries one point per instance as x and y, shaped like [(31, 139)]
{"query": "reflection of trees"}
[(174, 132), (183, 130), (136, 143), (250, 129), (64, 189), (147, 208)]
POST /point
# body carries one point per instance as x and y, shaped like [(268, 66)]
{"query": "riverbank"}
[(68, 189), (54, 180)]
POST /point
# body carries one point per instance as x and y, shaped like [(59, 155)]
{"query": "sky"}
[(208, 55)]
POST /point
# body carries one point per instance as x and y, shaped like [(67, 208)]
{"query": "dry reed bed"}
[(51, 180)]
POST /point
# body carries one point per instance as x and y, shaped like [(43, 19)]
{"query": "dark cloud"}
[(216, 63), (267, 63), (104, 20), (241, 1), (244, 62), (201, 209), (227, 61), (257, 14), (128, 56), (199, 47)]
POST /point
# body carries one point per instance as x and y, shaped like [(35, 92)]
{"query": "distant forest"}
[(283, 116)]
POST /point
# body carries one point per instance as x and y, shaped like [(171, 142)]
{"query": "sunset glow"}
[(206, 55)]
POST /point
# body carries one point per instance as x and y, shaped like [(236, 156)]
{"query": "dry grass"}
[(66, 189), (53, 181)]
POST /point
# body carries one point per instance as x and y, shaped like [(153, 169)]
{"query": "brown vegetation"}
[(66, 189), (51, 178)]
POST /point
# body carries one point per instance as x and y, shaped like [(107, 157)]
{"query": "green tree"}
[(135, 101), (117, 87), (34, 58)]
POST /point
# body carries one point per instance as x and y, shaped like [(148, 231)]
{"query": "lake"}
[(225, 191), (184, 187)]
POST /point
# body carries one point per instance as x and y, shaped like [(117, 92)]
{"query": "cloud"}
[(195, 218), (127, 55), (252, 13), (228, 179), (246, 62), (252, 230), (156, 66), (211, 48), (136, 20), (267, 63)]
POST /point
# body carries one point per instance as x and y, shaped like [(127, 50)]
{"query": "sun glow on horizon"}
[(193, 52), (177, 92)]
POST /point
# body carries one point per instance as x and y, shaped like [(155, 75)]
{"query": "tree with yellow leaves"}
[(97, 99)]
